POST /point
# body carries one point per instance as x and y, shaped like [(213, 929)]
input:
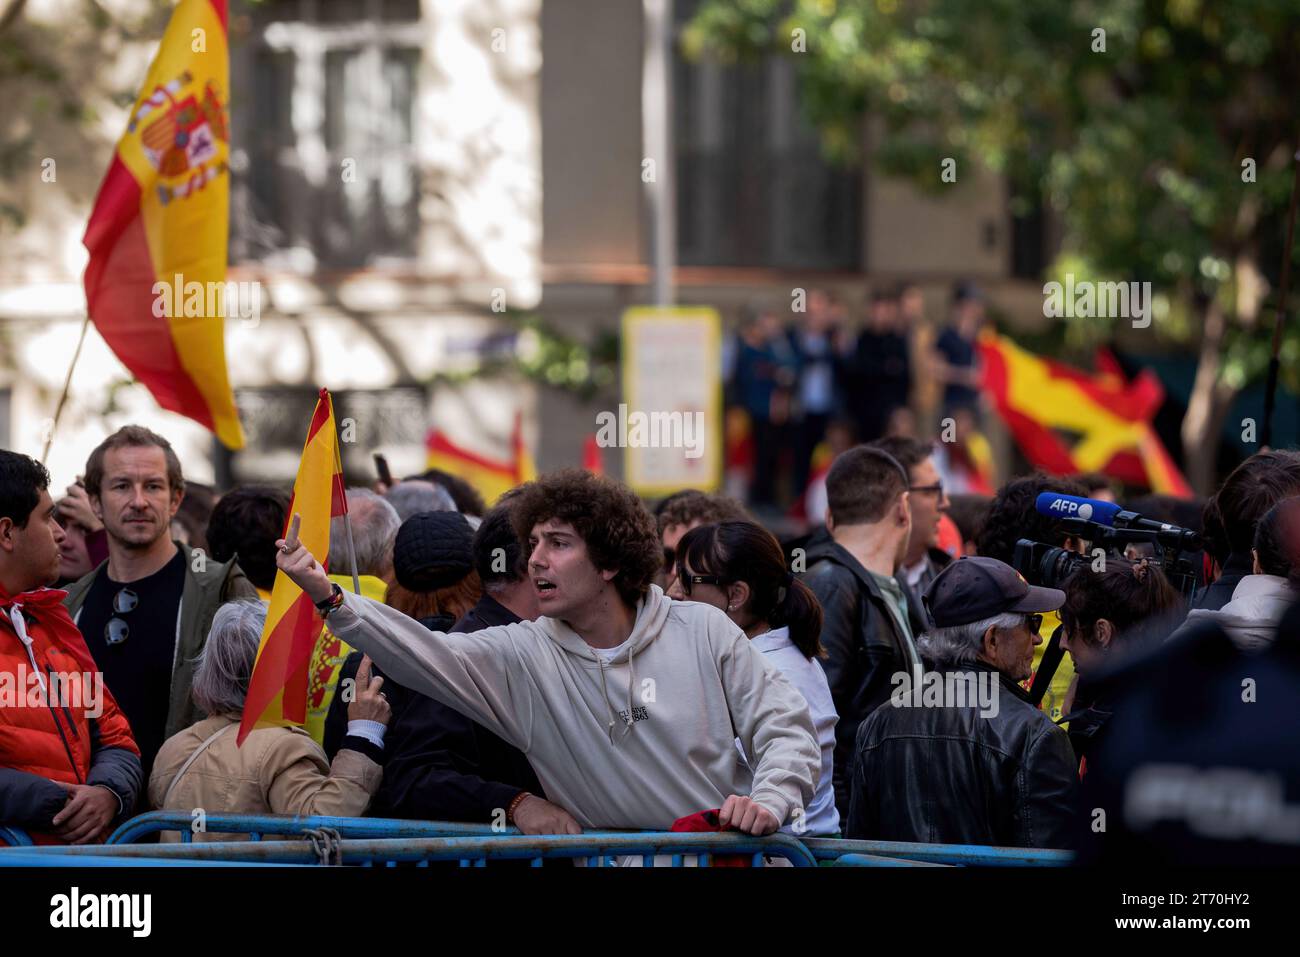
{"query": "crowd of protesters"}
[(808, 390), (570, 659)]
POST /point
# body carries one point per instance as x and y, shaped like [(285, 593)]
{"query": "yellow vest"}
[(327, 660), (1054, 698)]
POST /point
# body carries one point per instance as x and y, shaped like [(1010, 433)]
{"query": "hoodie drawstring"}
[(631, 682), (604, 693), (20, 626), (628, 722)]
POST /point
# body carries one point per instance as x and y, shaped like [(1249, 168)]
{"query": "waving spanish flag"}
[(155, 284), (1065, 420), (277, 692), (490, 477)]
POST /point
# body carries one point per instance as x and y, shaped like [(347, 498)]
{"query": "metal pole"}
[(657, 136), (347, 519)]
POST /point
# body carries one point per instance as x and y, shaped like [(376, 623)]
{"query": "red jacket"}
[(47, 736)]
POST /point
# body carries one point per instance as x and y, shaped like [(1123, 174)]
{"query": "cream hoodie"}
[(1257, 606), (634, 743)]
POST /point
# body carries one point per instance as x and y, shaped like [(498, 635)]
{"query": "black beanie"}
[(433, 550)]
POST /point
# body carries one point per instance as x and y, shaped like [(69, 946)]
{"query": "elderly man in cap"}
[(958, 755)]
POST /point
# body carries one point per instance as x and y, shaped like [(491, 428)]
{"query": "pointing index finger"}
[(291, 537)]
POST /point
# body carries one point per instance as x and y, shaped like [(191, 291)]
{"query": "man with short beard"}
[(145, 612), (626, 703)]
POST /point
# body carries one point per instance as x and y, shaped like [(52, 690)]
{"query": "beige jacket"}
[(277, 771)]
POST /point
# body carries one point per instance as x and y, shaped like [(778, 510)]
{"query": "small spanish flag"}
[(156, 281), (490, 477), (277, 692)]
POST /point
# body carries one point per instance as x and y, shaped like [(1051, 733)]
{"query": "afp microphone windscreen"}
[(1060, 505)]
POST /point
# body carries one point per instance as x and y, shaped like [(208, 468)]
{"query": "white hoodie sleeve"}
[(478, 674), (772, 722)]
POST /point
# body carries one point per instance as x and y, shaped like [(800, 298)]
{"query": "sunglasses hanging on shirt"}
[(117, 630)]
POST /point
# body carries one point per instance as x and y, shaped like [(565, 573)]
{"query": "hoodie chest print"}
[(627, 709)]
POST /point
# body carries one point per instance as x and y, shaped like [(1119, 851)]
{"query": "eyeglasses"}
[(117, 630), (670, 561), (1033, 623), (689, 580), (935, 489)]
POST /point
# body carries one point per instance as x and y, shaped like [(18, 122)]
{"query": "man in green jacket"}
[(146, 611)]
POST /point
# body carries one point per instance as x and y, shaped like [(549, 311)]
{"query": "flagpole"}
[(1274, 364), (347, 518), (67, 385)]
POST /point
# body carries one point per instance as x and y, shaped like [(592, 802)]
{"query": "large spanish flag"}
[(277, 692), (155, 285), (1065, 420), (490, 477)]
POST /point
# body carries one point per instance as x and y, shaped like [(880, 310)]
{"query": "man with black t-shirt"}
[(145, 612)]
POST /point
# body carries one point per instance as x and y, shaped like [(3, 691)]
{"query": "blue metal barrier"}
[(873, 860), (256, 825), (14, 836), (959, 855), (596, 848), (370, 841), (39, 857)]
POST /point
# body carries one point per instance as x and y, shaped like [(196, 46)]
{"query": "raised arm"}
[(479, 675)]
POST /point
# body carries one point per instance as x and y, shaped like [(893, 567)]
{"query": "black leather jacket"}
[(863, 646), (955, 775)]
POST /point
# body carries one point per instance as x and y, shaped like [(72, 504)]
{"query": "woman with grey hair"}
[(278, 770)]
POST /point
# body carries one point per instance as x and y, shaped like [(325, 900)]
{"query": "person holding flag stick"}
[(614, 671), (274, 770)]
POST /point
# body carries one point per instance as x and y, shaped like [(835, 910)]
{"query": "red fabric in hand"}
[(707, 822)]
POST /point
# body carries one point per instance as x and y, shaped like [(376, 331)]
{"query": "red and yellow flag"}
[(155, 284), (277, 692), (1065, 420), (489, 477)]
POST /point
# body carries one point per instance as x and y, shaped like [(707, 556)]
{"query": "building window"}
[(753, 188), (325, 169)]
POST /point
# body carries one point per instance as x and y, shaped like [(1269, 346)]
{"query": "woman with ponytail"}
[(1259, 600), (1121, 612), (738, 567)]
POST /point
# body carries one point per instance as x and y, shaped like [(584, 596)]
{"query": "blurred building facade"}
[(404, 170)]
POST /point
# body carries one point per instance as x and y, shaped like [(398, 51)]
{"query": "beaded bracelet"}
[(331, 603), (510, 811)]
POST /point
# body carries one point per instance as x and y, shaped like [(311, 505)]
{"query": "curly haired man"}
[(626, 703)]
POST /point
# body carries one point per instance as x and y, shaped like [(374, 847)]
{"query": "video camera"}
[(1108, 526)]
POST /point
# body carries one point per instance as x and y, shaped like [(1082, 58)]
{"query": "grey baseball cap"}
[(974, 588)]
